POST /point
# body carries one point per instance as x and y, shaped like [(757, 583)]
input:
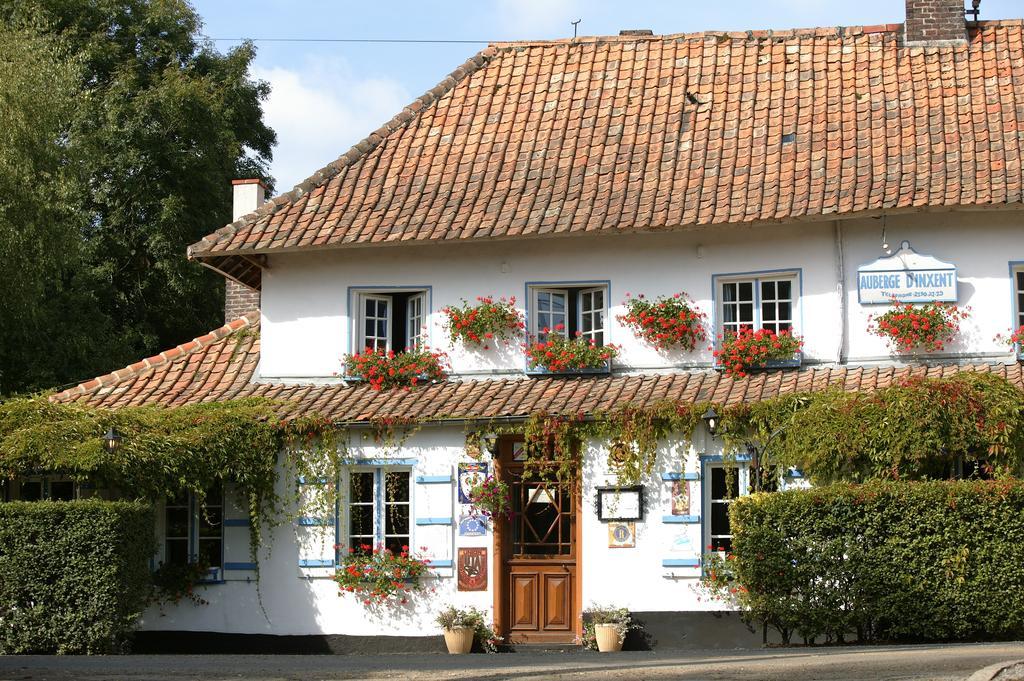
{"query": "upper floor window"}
[(1018, 290), (765, 301), (392, 320), (569, 311), (379, 508)]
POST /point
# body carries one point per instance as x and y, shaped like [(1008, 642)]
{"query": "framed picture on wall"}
[(620, 504)]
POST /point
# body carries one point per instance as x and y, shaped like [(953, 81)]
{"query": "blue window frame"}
[(1017, 281), (389, 317), (378, 508), (194, 531)]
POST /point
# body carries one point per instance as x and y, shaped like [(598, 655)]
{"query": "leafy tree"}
[(160, 123)]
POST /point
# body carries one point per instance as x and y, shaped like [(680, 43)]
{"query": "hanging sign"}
[(908, 277)]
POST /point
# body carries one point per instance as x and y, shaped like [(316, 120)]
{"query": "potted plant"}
[(605, 628), (491, 498), (378, 575), (910, 328), (665, 322), (1015, 340), (463, 627), (742, 350), (390, 369), (489, 320), (560, 354)]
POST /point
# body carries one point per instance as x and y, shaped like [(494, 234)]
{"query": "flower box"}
[(745, 350), (390, 369), (558, 354)]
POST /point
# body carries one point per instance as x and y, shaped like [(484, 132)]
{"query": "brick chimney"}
[(935, 22), (247, 196)]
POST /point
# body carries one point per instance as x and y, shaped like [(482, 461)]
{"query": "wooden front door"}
[(539, 601)]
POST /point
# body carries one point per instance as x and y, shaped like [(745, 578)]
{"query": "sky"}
[(326, 96)]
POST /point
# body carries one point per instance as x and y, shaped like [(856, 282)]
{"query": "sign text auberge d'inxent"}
[(906, 276)]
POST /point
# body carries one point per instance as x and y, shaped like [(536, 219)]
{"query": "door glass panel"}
[(63, 490)]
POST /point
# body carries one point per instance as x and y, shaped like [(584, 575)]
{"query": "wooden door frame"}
[(499, 577)]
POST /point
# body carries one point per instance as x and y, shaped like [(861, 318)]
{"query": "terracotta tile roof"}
[(222, 364), (660, 132)]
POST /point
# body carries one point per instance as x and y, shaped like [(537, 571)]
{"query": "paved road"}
[(931, 662)]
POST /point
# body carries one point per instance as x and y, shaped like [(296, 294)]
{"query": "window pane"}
[(210, 552), (768, 290), (746, 313), (588, 324), (397, 484), (729, 293), (382, 328), (599, 300), (370, 326), (729, 312), (721, 544), (31, 490), (746, 289), (768, 312), (785, 288), (362, 487), (396, 520), (395, 544), (558, 303), (720, 518), (177, 522), (210, 522), (543, 320), (361, 520), (62, 491), (718, 486), (176, 551), (785, 311)]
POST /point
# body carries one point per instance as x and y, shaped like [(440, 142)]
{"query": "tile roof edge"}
[(357, 151), (752, 34), (175, 354)]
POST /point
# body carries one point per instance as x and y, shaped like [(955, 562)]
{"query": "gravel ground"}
[(932, 662)]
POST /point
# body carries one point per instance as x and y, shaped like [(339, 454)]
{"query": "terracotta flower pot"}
[(459, 640), (608, 640)]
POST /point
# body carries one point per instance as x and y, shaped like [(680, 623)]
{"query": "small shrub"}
[(74, 576)]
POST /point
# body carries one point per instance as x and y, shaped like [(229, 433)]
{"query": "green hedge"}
[(74, 576), (881, 562)]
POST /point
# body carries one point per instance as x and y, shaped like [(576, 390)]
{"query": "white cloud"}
[(527, 19), (321, 111)]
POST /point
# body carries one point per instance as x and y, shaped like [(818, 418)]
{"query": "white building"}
[(760, 173)]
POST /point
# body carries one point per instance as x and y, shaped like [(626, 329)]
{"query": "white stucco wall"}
[(298, 600), (306, 327)]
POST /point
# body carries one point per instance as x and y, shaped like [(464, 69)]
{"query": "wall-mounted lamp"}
[(112, 440), (710, 419)]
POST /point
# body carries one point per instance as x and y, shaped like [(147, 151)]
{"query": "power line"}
[(354, 40)]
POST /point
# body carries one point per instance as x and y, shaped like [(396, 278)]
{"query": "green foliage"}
[(913, 430), (136, 136), (74, 576), (879, 562), (164, 451), (173, 582)]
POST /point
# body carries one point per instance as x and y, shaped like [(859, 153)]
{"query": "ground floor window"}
[(722, 483), (378, 509), (194, 531), (39, 488)]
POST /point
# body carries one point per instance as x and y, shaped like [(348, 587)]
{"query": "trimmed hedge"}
[(883, 561), (74, 576)]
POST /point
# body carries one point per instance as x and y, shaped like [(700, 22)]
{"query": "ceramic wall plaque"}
[(472, 569)]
